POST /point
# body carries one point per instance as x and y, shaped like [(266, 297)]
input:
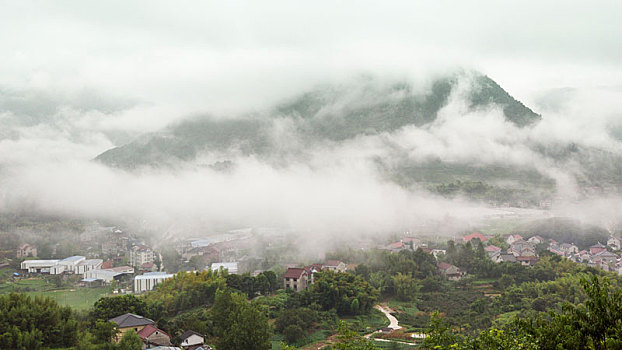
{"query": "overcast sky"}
[(211, 55)]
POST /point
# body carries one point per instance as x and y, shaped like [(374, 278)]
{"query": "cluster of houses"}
[(412, 244), (300, 278), (153, 337), (605, 257), (522, 251)]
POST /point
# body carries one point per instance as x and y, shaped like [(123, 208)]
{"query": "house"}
[(506, 257), (127, 322), (26, 250), (231, 267), (605, 256), (536, 239), (311, 270), (513, 238), (491, 248), (411, 243), (569, 248), (395, 247), (152, 335), (140, 254), (555, 249), (474, 235), (335, 265), (190, 340), (527, 260), (613, 242), (149, 280), (296, 279), (494, 255), (450, 271), (596, 248)]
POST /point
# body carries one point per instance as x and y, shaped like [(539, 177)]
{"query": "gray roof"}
[(189, 333), (131, 320), (508, 257)]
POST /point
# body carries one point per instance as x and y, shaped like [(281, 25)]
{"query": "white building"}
[(38, 266), (88, 265), (149, 280), (108, 275), (69, 264), (141, 254), (232, 267), (72, 264)]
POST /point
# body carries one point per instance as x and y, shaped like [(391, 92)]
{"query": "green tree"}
[(110, 307), (130, 341), (238, 323), (349, 340), (405, 287)]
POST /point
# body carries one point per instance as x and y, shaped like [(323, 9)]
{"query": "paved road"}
[(393, 324)]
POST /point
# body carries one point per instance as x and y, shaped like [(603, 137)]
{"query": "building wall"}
[(193, 340), (297, 284), (146, 284)]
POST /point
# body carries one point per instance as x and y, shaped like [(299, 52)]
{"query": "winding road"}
[(393, 324)]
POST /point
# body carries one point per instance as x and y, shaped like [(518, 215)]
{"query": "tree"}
[(349, 340), (109, 307), (104, 331), (30, 323), (405, 287), (238, 323), (293, 333), (338, 290), (130, 341)]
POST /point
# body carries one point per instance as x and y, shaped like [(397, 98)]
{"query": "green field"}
[(78, 298)]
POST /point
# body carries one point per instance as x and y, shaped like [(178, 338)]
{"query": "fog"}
[(78, 79)]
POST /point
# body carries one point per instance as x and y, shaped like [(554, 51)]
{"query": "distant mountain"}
[(333, 113)]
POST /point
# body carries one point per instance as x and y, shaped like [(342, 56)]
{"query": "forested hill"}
[(333, 113)]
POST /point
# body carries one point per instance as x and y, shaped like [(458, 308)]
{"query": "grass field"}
[(78, 298)]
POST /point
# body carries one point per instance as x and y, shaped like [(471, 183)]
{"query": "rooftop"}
[(294, 272), (131, 320), (74, 259)]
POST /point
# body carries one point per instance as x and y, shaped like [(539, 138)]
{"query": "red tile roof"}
[(149, 330), (492, 248), (310, 268), (294, 272), (475, 235)]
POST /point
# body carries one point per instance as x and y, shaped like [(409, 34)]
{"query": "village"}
[(122, 263)]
